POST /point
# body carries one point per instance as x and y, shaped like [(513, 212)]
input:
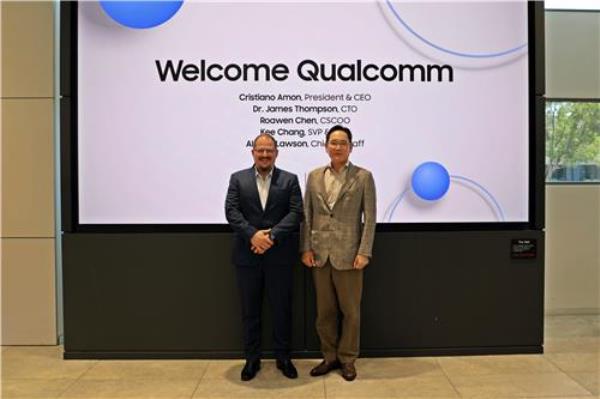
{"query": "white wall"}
[(572, 248)]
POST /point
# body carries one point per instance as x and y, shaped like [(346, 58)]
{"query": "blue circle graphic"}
[(430, 181), (141, 14)]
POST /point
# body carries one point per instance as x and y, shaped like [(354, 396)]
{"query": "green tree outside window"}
[(572, 141)]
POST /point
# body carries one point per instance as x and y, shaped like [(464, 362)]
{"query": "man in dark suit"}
[(264, 208)]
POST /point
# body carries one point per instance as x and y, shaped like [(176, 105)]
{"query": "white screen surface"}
[(160, 151)]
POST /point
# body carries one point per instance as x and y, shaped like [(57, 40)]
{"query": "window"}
[(572, 141), (572, 4)]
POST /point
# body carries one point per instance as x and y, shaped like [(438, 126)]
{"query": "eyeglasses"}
[(335, 143)]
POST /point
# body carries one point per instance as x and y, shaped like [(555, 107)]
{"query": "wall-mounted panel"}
[(174, 295), (572, 54), (27, 48), (573, 254), (27, 168), (28, 292)]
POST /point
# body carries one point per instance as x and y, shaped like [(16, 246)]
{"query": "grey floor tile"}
[(403, 387), (146, 369), (588, 380), (224, 369), (569, 326), (518, 385), (231, 369), (336, 387), (43, 362), (573, 362), (572, 345), (261, 387), (569, 368), (394, 368), (131, 388), (465, 366), (31, 388)]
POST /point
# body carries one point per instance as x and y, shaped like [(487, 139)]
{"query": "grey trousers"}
[(338, 291)]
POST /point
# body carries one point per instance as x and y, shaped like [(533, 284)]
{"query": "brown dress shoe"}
[(324, 367), (348, 371)]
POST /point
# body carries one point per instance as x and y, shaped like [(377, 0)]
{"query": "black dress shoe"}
[(324, 367), (250, 369), (287, 368), (348, 371)]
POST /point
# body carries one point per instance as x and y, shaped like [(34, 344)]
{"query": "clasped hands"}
[(360, 261), (261, 241)]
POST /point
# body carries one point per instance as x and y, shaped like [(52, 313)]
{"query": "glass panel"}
[(572, 141)]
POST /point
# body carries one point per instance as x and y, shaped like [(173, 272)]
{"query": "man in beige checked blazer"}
[(336, 241)]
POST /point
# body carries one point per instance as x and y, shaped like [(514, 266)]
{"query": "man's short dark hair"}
[(339, 128), (264, 135)]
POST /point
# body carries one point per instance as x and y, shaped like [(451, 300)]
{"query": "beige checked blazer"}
[(339, 234)]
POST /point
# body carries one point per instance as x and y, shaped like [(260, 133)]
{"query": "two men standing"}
[(263, 207)]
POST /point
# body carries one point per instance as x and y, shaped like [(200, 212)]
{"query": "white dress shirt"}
[(334, 182), (263, 184)]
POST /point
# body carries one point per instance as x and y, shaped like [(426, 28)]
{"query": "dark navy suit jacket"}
[(283, 214)]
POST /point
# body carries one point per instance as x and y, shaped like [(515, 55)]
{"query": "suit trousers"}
[(338, 291), (276, 280)]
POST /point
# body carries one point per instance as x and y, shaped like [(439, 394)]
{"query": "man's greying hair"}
[(264, 135), (339, 128)]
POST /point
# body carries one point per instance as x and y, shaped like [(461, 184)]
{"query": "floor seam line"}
[(437, 360)]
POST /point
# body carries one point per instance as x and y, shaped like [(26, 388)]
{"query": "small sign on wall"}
[(523, 248)]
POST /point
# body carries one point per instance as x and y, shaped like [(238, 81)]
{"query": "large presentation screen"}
[(435, 93)]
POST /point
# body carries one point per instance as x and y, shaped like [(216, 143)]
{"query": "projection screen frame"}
[(69, 143)]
